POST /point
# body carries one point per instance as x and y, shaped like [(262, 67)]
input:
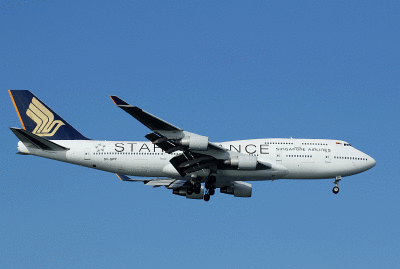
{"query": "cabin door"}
[(327, 157), (279, 153)]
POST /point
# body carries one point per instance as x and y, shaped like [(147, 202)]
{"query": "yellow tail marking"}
[(43, 118), (12, 98)]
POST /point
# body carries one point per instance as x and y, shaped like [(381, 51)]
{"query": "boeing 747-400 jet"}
[(185, 162)]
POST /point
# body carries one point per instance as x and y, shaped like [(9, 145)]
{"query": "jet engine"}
[(245, 162), (239, 189), (195, 142)]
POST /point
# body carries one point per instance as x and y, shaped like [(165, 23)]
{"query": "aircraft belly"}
[(146, 167), (318, 170), (250, 175)]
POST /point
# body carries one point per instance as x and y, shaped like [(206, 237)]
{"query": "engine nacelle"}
[(182, 192), (195, 142), (239, 189), (245, 162)]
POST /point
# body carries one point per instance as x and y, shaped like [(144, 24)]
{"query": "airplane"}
[(187, 163)]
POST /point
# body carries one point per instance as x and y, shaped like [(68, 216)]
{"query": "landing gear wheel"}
[(206, 197), (335, 189), (207, 185), (189, 191), (336, 182), (211, 191), (197, 190), (213, 179)]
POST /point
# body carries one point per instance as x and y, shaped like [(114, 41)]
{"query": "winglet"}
[(118, 101)]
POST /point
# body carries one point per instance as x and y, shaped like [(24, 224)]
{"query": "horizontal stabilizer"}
[(36, 141)]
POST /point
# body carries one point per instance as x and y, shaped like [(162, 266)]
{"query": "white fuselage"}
[(290, 158)]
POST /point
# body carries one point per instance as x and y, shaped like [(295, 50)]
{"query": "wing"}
[(197, 152), (164, 131), (178, 186), (168, 183)]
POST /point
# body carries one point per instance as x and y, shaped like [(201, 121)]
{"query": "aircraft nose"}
[(367, 163), (371, 162)]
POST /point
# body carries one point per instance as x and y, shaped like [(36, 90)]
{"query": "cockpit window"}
[(346, 144)]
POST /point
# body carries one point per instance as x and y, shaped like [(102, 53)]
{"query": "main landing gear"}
[(194, 188), (210, 187), (336, 188)]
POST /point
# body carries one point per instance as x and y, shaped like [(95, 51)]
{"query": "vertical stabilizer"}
[(37, 118)]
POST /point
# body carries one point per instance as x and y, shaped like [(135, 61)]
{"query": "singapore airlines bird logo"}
[(44, 118)]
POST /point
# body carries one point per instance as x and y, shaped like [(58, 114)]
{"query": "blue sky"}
[(225, 69)]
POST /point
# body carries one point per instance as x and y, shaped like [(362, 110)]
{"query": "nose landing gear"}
[(335, 189)]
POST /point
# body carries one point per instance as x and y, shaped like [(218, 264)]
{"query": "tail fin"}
[(40, 120)]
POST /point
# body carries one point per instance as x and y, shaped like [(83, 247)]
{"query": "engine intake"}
[(245, 162), (195, 142), (239, 189)]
